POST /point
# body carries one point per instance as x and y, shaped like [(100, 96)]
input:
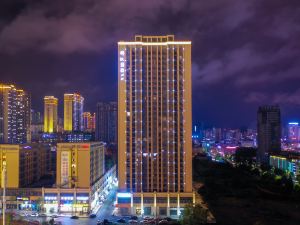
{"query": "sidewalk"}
[(66, 215), (96, 209)]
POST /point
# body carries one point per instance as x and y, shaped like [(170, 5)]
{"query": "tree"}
[(9, 218), (279, 172), (39, 203), (194, 215), (255, 171), (287, 184), (51, 222), (298, 178), (259, 222), (245, 156)]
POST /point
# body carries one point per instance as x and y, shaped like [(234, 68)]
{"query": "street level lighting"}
[(4, 187)]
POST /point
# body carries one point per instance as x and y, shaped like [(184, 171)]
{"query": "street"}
[(105, 212)]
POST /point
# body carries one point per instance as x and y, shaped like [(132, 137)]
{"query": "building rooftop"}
[(153, 40), (287, 155)]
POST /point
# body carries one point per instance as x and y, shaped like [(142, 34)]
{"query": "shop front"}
[(82, 203), (28, 203), (66, 202), (28, 199), (51, 203), (76, 205)]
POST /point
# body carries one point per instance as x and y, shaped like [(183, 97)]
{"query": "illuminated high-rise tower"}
[(73, 112), (89, 121), (14, 115), (92, 122), (155, 125), (293, 132), (50, 114)]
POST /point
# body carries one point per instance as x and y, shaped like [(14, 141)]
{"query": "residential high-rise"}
[(86, 118), (23, 117), (106, 122), (155, 126), (293, 132), (36, 117), (36, 126), (50, 114), (89, 122), (60, 125), (73, 111), (92, 122), (268, 131), (14, 115)]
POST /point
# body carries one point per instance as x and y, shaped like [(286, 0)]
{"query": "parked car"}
[(106, 222), (23, 214), (121, 221), (34, 214), (148, 218), (54, 216), (42, 215), (163, 222), (168, 219), (92, 215), (148, 222), (134, 218), (74, 217)]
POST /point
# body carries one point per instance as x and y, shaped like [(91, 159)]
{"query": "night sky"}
[(245, 52)]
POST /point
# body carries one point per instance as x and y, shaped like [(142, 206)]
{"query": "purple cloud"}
[(244, 52)]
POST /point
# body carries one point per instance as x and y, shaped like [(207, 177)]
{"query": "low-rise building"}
[(79, 165), (81, 180), (78, 200), (154, 204), (26, 164), (288, 162)]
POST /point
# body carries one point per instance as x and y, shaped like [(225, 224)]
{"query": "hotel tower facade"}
[(154, 126), (50, 114)]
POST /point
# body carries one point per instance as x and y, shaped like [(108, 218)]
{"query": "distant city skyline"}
[(206, 124), (196, 120)]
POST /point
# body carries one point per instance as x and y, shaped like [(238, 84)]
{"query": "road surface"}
[(105, 212)]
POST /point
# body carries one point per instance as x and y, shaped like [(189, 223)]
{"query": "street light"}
[(4, 186)]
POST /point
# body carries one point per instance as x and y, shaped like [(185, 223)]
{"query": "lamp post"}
[(4, 187), (73, 185)]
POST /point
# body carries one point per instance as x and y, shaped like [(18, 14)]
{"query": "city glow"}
[(293, 123)]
